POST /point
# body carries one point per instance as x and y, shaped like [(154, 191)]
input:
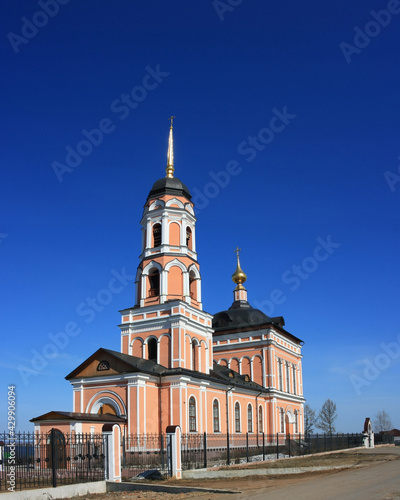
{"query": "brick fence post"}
[(112, 433), (174, 445)]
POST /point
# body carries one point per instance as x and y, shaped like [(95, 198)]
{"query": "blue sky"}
[(287, 134)]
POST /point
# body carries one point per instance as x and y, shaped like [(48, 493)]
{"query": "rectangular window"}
[(282, 420), (294, 381), (260, 419), (280, 374)]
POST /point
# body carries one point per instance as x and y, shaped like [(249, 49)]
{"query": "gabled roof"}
[(124, 363), (81, 417), (119, 363)]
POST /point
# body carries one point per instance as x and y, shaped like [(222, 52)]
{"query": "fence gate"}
[(145, 455)]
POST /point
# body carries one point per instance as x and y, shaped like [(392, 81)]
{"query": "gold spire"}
[(238, 276), (170, 155)]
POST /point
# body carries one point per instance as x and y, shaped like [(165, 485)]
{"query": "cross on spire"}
[(172, 120), (237, 252), (239, 277)]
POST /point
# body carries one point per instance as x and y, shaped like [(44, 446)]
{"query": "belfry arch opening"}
[(189, 239), (157, 233), (152, 350), (193, 285)]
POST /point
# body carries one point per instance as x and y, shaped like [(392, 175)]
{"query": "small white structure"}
[(368, 435)]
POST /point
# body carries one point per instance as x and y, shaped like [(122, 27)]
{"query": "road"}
[(380, 481)]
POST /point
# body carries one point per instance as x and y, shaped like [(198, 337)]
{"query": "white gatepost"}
[(368, 435), (112, 438), (174, 450)]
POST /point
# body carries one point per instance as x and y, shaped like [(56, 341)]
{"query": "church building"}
[(236, 371)]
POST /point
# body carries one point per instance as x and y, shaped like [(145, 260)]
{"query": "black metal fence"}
[(29, 460), (142, 453), (384, 438), (208, 450)]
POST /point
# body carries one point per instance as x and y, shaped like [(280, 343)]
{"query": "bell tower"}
[(168, 268), (168, 308)]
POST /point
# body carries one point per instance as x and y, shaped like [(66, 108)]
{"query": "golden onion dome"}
[(239, 276)]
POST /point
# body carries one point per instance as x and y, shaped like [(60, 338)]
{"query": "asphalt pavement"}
[(377, 481)]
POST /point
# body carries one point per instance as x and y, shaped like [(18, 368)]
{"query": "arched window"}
[(296, 421), (195, 360), (157, 235), (249, 418), (192, 285), (216, 415), (154, 283), (237, 417), (152, 349), (105, 405), (192, 414), (282, 413), (260, 419), (189, 238), (107, 409)]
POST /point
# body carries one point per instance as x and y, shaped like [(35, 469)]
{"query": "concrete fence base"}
[(66, 491)]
